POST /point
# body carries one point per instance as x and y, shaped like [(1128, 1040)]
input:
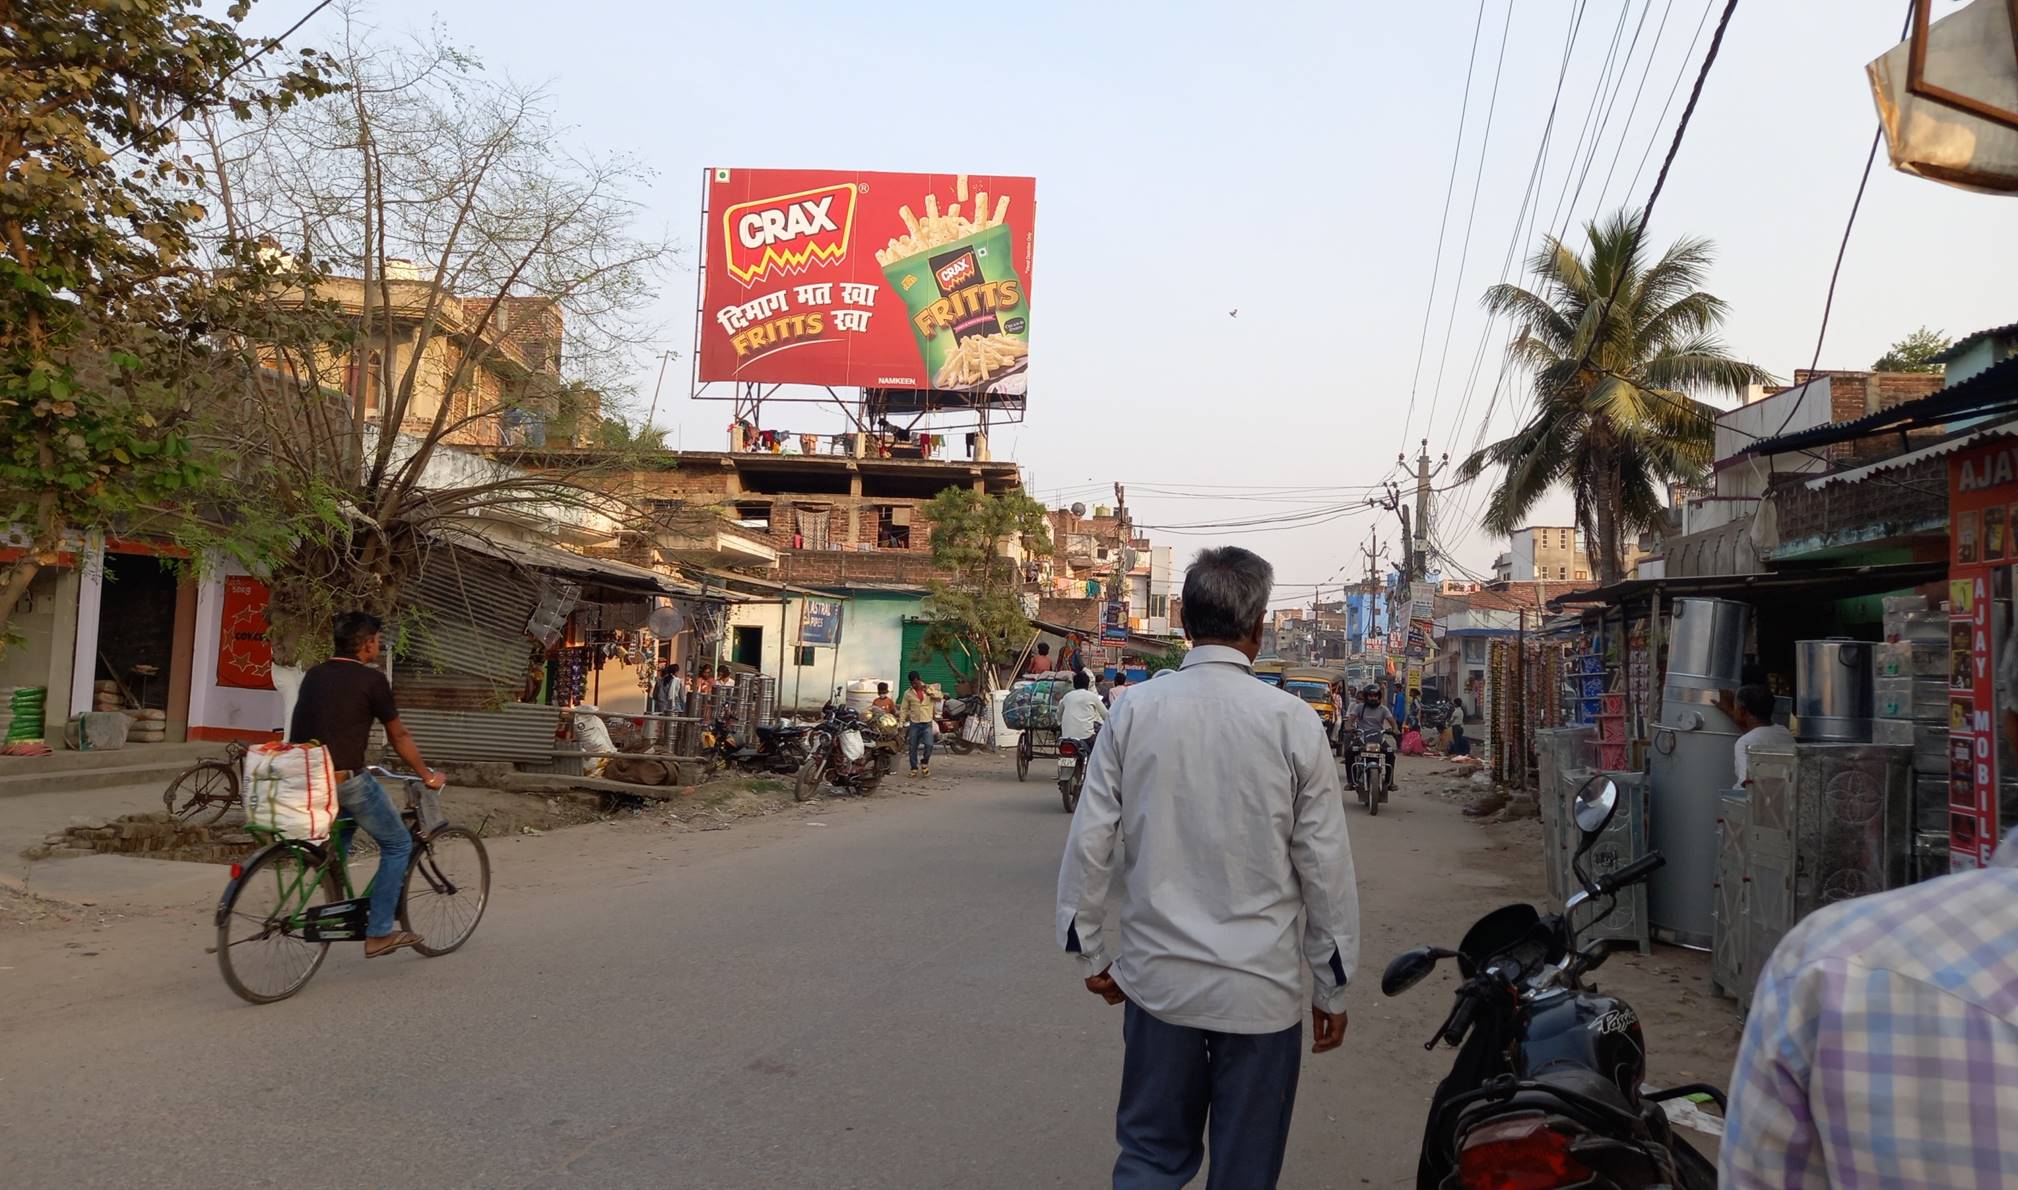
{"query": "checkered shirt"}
[(1882, 1049)]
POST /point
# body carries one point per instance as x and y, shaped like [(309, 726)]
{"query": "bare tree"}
[(410, 256)]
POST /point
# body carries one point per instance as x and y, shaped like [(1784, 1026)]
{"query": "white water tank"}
[(862, 692)]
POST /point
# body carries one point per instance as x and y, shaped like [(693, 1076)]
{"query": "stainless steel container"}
[(1727, 952), (1693, 764), (1829, 822), (1563, 756), (767, 698), (1706, 643), (1832, 691)]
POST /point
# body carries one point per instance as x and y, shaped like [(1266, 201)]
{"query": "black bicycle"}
[(207, 790), (290, 899)]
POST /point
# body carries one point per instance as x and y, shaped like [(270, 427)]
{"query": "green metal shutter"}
[(938, 668)]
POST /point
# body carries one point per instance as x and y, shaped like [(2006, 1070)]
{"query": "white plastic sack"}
[(594, 737), (591, 732), (1968, 54), (290, 789), (852, 747)]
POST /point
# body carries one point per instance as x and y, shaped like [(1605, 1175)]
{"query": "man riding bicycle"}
[(339, 701), (1369, 716)]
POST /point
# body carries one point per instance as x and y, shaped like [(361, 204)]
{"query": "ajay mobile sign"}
[(871, 280)]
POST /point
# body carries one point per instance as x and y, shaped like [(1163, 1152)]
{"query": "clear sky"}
[(1289, 160)]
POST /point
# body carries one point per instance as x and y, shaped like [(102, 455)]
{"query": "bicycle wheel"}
[(203, 792), (447, 888), (262, 957)]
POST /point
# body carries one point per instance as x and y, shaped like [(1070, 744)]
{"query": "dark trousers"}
[(1175, 1081), (919, 737)]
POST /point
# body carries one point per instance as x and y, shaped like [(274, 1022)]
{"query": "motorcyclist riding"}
[(1371, 715)]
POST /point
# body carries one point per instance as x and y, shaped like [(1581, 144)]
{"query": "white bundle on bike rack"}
[(852, 748), (290, 789)]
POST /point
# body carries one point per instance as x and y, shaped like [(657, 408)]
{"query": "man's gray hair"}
[(1226, 593)]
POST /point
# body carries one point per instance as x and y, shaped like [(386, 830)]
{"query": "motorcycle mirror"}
[(1595, 805), (1410, 967)]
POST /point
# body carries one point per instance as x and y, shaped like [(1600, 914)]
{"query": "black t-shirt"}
[(339, 701)]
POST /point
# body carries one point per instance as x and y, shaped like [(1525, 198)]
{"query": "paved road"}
[(872, 1001)]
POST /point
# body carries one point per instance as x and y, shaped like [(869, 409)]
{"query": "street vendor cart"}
[(1032, 710)]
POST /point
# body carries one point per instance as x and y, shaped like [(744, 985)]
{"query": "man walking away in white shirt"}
[(1226, 791), (1754, 716), (1080, 712)]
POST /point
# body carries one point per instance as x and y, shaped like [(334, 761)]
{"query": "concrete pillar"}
[(90, 598), (854, 508)]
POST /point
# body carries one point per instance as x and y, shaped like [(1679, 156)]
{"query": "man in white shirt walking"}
[(1226, 791), (1080, 712), (1754, 716)]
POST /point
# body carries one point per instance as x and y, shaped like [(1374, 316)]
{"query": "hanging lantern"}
[(1948, 97)]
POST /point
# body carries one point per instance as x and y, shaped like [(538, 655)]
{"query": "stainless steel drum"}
[(1706, 643), (1694, 763), (1832, 691)]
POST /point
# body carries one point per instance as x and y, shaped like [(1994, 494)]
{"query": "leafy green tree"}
[(975, 611), (1612, 417), (104, 359), (425, 237), (1914, 353)]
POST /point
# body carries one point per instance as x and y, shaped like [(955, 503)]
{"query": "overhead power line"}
[(224, 78), (1443, 221)]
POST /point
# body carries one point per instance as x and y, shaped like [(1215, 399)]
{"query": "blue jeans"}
[(1175, 1082), (919, 736), (365, 800)]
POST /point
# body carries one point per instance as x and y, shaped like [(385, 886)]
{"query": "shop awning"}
[(601, 572), (1830, 582), (761, 587), (1991, 392)]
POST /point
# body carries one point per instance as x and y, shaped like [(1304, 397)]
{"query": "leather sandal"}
[(397, 940)]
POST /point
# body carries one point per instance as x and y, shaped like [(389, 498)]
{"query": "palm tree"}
[(1615, 348)]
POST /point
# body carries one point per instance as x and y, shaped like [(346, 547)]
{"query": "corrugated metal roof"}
[(1945, 446), (606, 572), (466, 613), (518, 732), (1970, 340)]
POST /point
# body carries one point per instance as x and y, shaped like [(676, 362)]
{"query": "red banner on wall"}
[(244, 655), (876, 280)]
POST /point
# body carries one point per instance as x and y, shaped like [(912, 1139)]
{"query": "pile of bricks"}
[(156, 836)]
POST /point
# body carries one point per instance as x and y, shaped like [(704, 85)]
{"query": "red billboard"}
[(871, 280)]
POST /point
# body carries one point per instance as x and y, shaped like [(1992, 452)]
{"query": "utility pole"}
[(1418, 551)]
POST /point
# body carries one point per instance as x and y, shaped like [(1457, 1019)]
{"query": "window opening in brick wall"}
[(893, 527), (754, 514)]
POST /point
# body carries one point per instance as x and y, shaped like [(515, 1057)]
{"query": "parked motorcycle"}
[(1073, 756), (1369, 767), (886, 740), (837, 753), (766, 749), (1546, 1088), (949, 732)]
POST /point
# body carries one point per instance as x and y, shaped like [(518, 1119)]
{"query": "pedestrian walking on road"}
[(1882, 1046), (1226, 791), (920, 718)]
